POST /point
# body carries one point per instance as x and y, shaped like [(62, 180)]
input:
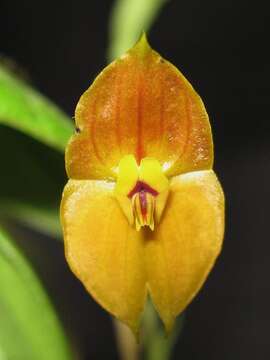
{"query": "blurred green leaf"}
[(42, 219), (31, 182), (29, 328), (128, 20), (24, 109), (32, 167)]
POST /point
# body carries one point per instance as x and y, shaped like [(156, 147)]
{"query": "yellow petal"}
[(128, 174), (184, 246), (103, 250), (151, 174)]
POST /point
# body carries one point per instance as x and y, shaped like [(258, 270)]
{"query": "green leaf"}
[(42, 219), (32, 163), (31, 182), (128, 20), (32, 168), (24, 109), (29, 328)]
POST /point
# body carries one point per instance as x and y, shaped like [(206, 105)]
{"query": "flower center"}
[(141, 191), (143, 204)]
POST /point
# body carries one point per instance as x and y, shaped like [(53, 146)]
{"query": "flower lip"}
[(142, 187)]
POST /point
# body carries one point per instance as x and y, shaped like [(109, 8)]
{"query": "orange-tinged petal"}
[(103, 250), (140, 105), (183, 248)]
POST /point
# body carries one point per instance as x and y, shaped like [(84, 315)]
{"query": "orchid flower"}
[(143, 211)]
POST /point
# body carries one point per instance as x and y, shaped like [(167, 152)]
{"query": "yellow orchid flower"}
[(143, 212)]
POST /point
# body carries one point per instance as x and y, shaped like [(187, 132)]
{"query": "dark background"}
[(222, 47)]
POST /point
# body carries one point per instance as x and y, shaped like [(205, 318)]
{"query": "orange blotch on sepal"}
[(141, 105)]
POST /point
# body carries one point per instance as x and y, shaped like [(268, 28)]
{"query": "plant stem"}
[(128, 348), (154, 345), (158, 346)]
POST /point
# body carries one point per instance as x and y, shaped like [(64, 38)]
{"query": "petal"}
[(128, 174), (103, 251), (184, 246), (141, 105), (152, 175)]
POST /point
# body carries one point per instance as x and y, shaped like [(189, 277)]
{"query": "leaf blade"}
[(24, 109), (31, 181), (29, 328), (129, 19)]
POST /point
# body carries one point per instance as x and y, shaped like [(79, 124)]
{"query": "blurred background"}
[(222, 47)]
